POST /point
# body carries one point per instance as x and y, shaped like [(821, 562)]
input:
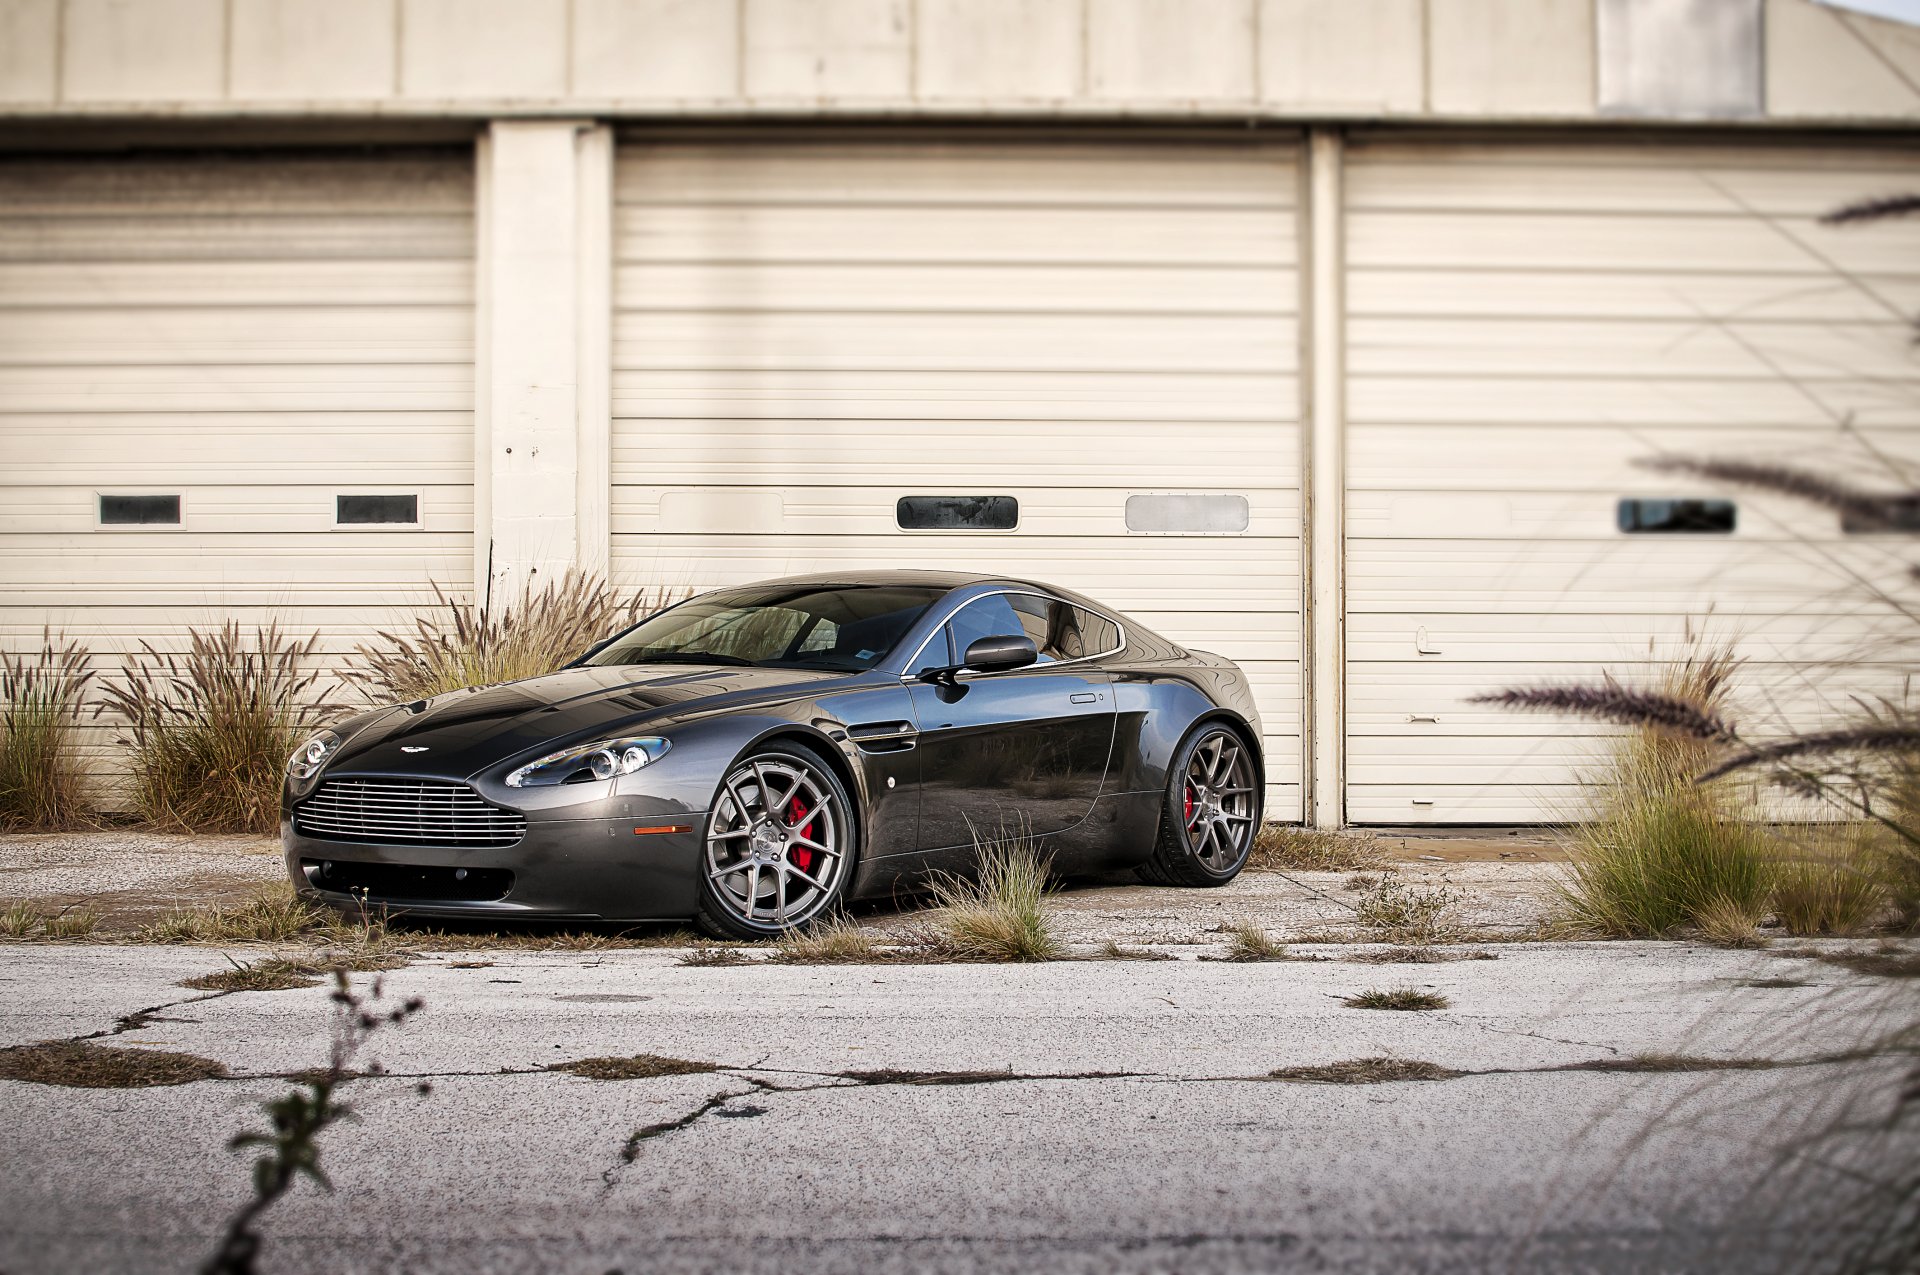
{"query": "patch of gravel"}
[(130, 877), (1495, 899)]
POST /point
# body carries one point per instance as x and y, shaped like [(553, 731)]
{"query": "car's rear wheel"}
[(1211, 812), (779, 845)]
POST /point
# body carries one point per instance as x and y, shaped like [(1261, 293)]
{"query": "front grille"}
[(406, 812)]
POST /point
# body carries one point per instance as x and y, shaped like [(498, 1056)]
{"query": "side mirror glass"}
[(994, 654)]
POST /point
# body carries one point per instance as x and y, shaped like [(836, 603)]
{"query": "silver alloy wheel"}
[(774, 845), (1217, 801)]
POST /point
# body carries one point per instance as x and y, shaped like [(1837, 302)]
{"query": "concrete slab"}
[(1194, 1162)]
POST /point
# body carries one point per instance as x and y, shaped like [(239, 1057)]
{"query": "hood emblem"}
[(413, 748)]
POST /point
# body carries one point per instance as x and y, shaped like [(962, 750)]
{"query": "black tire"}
[(752, 855), (1192, 848)]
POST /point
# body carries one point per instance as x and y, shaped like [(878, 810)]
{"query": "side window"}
[(1064, 632), (983, 617)]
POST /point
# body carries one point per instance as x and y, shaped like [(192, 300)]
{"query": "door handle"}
[(1084, 697)]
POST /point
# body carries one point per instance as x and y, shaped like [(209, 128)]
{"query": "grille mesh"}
[(406, 812)]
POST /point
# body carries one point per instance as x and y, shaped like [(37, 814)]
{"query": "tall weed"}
[(43, 785), (1661, 850), (211, 730)]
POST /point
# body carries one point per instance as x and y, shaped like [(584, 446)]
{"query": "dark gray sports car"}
[(754, 757)]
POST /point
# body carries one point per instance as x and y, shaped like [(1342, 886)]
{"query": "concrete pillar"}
[(1325, 486), (543, 357)]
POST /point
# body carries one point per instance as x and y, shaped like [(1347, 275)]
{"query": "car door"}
[(1012, 752)]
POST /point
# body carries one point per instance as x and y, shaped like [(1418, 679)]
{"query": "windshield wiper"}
[(689, 657)]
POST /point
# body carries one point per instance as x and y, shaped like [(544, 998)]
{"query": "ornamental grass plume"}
[(460, 643), (211, 730), (42, 781)]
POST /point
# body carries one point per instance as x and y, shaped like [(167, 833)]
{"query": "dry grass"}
[(836, 941), (1286, 847), (1365, 1071), (1112, 951), (1729, 923), (75, 922), (461, 643), (22, 919), (1247, 941), (276, 974), (1002, 914), (83, 1065), (42, 782), (638, 1067), (1833, 881), (707, 955), (273, 916), (1407, 998), (211, 731), (19, 919), (1417, 915), (1663, 852), (1419, 956), (1671, 1063)]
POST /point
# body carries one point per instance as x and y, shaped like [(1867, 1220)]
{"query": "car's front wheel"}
[(779, 845), (1211, 812)]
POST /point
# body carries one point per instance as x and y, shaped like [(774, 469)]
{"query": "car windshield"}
[(843, 627)]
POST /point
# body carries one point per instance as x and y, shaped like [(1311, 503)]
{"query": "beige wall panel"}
[(1794, 181), (29, 50), (257, 335), (1493, 435), (158, 284), (998, 50), (143, 51), (828, 49), (1823, 63), (787, 366), (313, 50), (963, 451), (1702, 299), (1171, 50), (1499, 57), (977, 289), (1365, 56), (958, 173), (1587, 457), (1203, 237), (125, 448), (656, 49), (484, 49), (952, 396), (1623, 640)]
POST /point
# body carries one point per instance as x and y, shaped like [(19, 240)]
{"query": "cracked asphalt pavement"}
[(1080, 1116)]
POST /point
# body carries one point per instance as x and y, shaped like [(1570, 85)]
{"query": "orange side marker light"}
[(663, 827)]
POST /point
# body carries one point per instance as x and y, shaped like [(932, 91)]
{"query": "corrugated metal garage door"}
[(804, 333), (1525, 321), (258, 335)]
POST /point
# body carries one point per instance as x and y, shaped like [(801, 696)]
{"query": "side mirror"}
[(994, 654)]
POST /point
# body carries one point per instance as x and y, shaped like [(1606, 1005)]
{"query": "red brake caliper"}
[(1186, 801), (802, 856)]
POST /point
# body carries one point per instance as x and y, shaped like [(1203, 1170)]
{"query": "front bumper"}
[(562, 869)]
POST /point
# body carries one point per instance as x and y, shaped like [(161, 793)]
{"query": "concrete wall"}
[(1440, 59)]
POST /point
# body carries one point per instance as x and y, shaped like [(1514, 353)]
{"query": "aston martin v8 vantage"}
[(755, 757)]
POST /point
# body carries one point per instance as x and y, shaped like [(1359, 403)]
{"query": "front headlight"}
[(602, 760), (312, 755)]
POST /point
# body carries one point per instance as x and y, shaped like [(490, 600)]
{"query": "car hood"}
[(464, 732)]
